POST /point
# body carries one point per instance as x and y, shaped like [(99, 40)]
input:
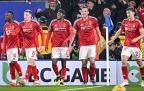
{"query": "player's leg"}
[(64, 54), (84, 71), (83, 57), (35, 74), (63, 71), (137, 54), (31, 55), (12, 68), (91, 56), (15, 63), (55, 55), (141, 66), (55, 69), (126, 53)]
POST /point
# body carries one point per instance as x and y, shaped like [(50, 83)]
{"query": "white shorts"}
[(31, 53), (60, 52), (134, 51), (12, 55), (87, 52)]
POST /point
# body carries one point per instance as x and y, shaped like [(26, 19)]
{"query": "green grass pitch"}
[(69, 88)]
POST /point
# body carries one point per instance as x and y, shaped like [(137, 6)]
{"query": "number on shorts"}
[(138, 53), (14, 56), (33, 53)]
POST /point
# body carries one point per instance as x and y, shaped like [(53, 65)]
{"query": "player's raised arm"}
[(115, 36)]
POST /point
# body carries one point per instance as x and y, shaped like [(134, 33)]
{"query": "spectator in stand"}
[(115, 50), (76, 14), (121, 8), (101, 5), (49, 13), (68, 6), (93, 10), (140, 11), (47, 54), (101, 21)]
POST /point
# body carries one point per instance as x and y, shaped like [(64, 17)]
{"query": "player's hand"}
[(64, 44), (134, 40), (110, 42), (42, 48), (101, 44)]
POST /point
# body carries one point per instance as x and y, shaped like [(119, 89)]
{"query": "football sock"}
[(125, 72), (18, 68), (28, 72), (12, 71), (142, 73), (85, 73), (63, 73), (55, 68), (34, 73), (92, 72)]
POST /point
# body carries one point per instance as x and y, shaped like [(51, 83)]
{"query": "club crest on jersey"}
[(55, 25), (64, 25), (12, 27), (30, 26)]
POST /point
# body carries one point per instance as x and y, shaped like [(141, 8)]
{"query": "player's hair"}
[(10, 12), (29, 11), (130, 9), (85, 7)]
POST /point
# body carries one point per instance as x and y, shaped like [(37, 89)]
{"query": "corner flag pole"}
[(107, 56)]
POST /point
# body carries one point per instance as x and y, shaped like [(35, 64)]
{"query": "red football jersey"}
[(86, 30), (140, 11), (29, 31), (61, 30), (10, 41), (131, 29)]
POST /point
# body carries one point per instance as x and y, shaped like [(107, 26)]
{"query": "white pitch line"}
[(79, 88)]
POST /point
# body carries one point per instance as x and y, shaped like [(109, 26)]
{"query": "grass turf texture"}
[(69, 88)]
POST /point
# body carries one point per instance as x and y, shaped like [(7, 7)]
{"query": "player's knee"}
[(140, 63), (124, 63), (84, 64), (54, 61), (63, 63), (31, 61), (92, 64)]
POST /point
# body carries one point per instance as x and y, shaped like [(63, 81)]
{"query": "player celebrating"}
[(12, 44), (29, 30), (133, 29), (60, 28), (86, 27)]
